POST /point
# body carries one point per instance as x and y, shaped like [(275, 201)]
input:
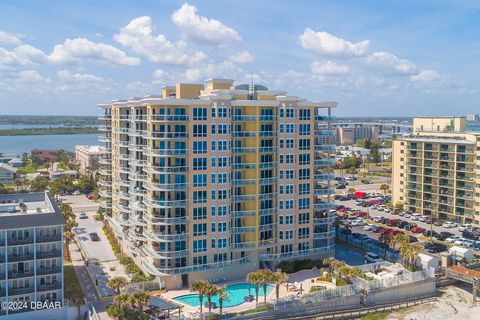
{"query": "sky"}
[(375, 58)]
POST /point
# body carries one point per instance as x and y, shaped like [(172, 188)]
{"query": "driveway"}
[(100, 251)]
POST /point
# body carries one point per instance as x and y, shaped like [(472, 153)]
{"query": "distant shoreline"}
[(47, 131)]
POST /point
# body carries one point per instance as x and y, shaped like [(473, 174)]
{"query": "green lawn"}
[(376, 316), (70, 281)]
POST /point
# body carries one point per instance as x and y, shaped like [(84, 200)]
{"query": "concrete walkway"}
[(88, 288)]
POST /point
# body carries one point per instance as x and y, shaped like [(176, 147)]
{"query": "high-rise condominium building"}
[(31, 256), (435, 169), (350, 135), (214, 182)]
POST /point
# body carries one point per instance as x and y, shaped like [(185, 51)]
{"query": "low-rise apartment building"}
[(350, 135), (7, 173), (31, 252), (212, 182), (435, 169), (87, 157)]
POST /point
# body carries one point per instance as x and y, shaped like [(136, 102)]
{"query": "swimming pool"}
[(236, 293)]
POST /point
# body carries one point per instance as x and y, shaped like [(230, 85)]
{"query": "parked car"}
[(360, 214), (435, 247), (341, 186), (459, 242), (417, 230), (469, 235), (83, 215), (437, 223), (385, 230), (430, 233), (449, 225), (94, 236), (442, 236), (371, 257), (452, 239), (465, 227), (412, 239), (376, 229), (368, 227), (468, 243)]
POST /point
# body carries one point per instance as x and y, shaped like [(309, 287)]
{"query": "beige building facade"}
[(88, 157), (350, 135), (213, 181), (434, 169)]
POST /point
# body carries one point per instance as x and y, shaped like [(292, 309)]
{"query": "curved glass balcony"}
[(156, 168), (244, 182), (165, 152), (323, 176), (132, 234), (325, 148), (244, 134), (324, 235), (105, 193), (244, 118), (267, 149), (164, 187), (161, 204), (246, 229), (324, 162), (106, 204), (104, 172), (324, 221), (158, 254), (122, 208), (244, 214), (244, 150), (167, 135), (323, 191), (165, 117), (162, 221), (295, 254), (325, 132), (319, 204), (158, 237)]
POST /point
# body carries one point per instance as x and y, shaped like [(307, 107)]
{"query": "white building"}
[(88, 156)]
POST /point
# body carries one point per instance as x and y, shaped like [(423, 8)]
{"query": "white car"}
[(374, 207), (449, 225), (452, 239), (407, 215), (357, 202), (459, 242), (371, 257), (358, 223), (468, 243), (465, 227), (381, 208), (368, 227)]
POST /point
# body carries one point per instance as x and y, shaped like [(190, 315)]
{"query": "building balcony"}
[(244, 182), (18, 275), (244, 198), (20, 257), (267, 134), (244, 245), (49, 254), (155, 168), (106, 204), (136, 236), (244, 134), (104, 139), (244, 118), (136, 148), (122, 130), (164, 237), (167, 135), (154, 186), (267, 149), (105, 161), (324, 235), (324, 162), (245, 229), (157, 253), (328, 220), (104, 128), (325, 132), (135, 220), (49, 238), (267, 227), (244, 214), (245, 166), (323, 176), (323, 191), (267, 212), (161, 271), (165, 152), (265, 181), (319, 204), (137, 206), (138, 132), (324, 148), (163, 204), (267, 165), (168, 118), (20, 291), (244, 150), (296, 254), (105, 193), (52, 270), (49, 287), (104, 172), (18, 242), (468, 188), (267, 196), (163, 221)]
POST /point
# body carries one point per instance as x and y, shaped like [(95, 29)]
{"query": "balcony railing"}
[(49, 238), (49, 254), (296, 254)]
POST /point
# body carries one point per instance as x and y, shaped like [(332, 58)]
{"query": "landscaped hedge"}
[(297, 265)]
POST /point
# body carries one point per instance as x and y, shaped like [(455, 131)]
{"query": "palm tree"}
[(210, 291), (117, 283), (329, 262), (222, 296), (200, 286), (265, 276), (140, 299), (77, 300), (351, 190), (279, 278), (385, 238), (409, 253), (122, 300), (397, 239), (254, 278), (384, 188)]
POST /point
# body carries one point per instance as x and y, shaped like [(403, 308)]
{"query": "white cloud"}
[(22, 55), (241, 57), (202, 29), (138, 35), (426, 75), (75, 50), (387, 63), (329, 45), (67, 76), (328, 68), (9, 39)]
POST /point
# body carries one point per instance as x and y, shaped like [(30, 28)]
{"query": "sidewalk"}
[(85, 282)]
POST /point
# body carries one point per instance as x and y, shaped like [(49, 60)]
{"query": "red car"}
[(385, 230), (417, 230), (395, 232), (391, 222), (360, 214)]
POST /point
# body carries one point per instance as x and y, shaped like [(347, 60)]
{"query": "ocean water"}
[(21, 144)]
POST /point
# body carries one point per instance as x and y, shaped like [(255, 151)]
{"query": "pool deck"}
[(303, 278)]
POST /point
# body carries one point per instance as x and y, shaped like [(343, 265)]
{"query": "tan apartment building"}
[(350, 135), (87, 157), (435, 169), (214, 181)]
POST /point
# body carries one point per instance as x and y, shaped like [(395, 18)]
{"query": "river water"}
[(21, 144)]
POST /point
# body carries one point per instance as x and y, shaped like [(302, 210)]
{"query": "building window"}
[(200, 245), (199, 196), (199, 130), (200, 213), (200, 229), (199, 113), (199, 147), (199, 180)]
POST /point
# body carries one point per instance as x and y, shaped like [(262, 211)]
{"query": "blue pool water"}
[(236, 293)]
